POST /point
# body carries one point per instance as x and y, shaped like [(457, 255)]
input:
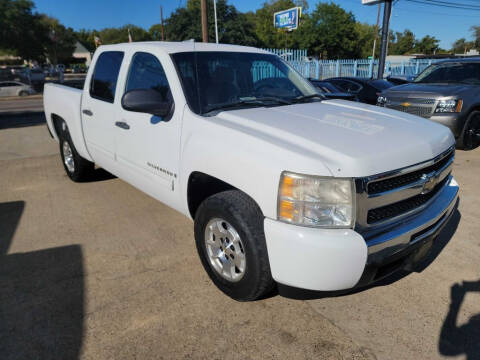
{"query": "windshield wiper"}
[(306, 97), (260, 101)]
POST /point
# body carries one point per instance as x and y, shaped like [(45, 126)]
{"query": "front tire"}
[(470, 138), (231, 244), (77, 168)]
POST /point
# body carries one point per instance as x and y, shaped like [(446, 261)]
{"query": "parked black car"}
[(447, 92), (330, 91), (366, 90)]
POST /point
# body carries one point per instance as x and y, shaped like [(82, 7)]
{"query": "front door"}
[(148, 146)]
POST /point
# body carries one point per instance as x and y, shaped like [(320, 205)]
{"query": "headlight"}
[(381, 100), (449, 106), (316, 201)]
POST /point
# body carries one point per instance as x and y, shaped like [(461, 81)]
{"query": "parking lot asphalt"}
[(99, 270)]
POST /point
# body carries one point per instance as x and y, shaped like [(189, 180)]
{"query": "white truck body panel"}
[(249, 149)]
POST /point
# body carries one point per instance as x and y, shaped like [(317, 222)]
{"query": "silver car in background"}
[(15, 88)]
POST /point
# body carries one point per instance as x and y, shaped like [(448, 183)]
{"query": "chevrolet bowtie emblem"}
[(430, 182), (405, 104)]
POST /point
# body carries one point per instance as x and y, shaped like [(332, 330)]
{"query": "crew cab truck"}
[(283, 186)]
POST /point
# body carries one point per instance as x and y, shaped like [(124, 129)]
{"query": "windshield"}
[(451, 72), (381, 84), (226, 80)]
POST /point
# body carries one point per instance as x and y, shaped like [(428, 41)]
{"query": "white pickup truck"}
[(283, 185)]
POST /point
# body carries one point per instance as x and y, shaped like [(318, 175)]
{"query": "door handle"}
[(87, 112), (123, 125)]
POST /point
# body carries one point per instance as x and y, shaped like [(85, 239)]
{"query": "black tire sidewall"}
[(252, 237), (461, 143)]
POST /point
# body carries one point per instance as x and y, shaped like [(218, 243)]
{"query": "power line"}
[(436, 13), (452, 3), (427, 2)]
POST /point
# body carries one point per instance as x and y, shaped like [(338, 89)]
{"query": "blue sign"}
[(287, 19)]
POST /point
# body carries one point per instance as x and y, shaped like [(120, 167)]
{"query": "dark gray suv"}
[(447, 92)]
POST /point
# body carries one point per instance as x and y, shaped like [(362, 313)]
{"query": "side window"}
[(105, 75), (146, 72)]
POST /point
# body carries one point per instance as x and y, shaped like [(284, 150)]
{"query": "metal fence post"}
[(355, 67), (370, 69), (403, 68), (317, 69), (337, 68), (417, 67)]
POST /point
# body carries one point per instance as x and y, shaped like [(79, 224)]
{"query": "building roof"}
[(80, 48), (184, 46)]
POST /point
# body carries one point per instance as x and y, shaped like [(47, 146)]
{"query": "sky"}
[(445, 24)]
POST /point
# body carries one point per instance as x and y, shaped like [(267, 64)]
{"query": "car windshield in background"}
[(381, 84), (451, 72), (325, 87), (231, 80)]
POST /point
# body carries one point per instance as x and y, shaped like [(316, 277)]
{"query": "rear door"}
[(99, 108)]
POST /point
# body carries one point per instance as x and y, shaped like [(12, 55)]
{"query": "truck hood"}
[(426, 90), (350, 139)]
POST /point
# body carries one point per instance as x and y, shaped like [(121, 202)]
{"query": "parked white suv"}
[(283, 185)]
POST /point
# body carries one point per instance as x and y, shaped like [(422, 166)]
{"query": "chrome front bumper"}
[(400, 241)]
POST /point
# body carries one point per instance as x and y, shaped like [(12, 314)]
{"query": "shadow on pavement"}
[(439, 244), (10, 214), (41, 297), (464, 339), (15, 119)]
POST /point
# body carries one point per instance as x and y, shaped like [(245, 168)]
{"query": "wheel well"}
[(200, 187), (57, 124)]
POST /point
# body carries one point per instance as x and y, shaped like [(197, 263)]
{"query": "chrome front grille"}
[(404, 206), (415, 106), (390, 197)]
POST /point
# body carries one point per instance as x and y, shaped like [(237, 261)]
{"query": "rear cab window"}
[(104, 80)]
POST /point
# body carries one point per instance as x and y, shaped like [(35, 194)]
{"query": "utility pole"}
[(216, 26), (161, 22), (376, 32), (387, 11), (204, 21)]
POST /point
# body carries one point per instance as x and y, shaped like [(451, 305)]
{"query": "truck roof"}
[(467, 60), (181, 46)]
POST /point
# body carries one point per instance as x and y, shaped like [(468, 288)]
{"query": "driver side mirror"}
[(148, 101)]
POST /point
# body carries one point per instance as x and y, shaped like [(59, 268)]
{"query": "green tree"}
[(428, 45), (268, 35), (476, 34), (61, 43), (233, 27), (87, 38), (120, 35), (404, 43), (365, 38), (330, 32), (461, 46), (21, 30)]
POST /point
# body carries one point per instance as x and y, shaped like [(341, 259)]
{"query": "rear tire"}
[(77, 168), (23, 93), (470, 137), (231, 244)]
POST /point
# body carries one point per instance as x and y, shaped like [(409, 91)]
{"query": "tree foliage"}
[(404, 43), (326, 31), (233, 27), (31, 35), (427, 45)]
